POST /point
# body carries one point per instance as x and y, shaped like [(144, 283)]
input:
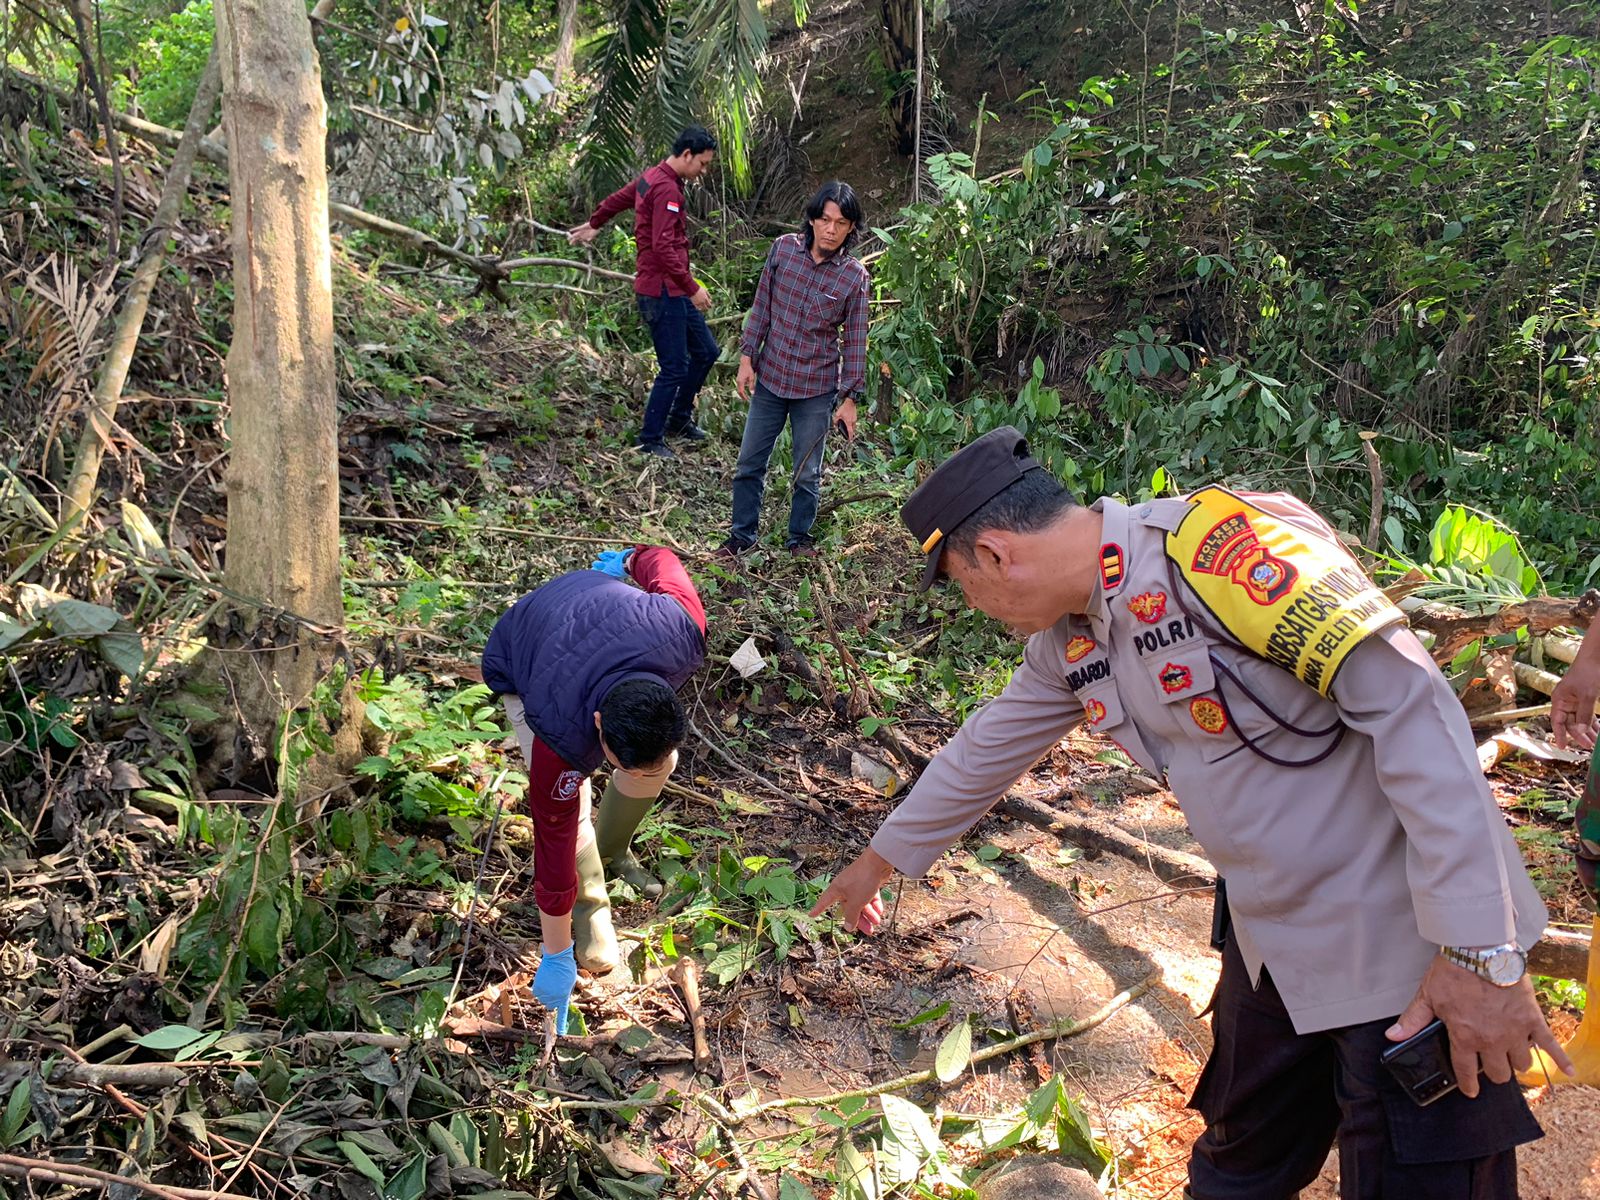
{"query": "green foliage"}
[(432, 746), (660, 64), (731, 909), (169, 60), (1052, 1121), (1408, 255)]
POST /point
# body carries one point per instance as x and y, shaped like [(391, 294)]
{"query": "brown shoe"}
[(730, 551), (804, 548)]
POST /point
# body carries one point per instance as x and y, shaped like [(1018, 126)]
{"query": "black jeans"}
[(1274, 1100), (685, 352)]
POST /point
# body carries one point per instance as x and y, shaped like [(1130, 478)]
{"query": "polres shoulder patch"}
[(1289, 593)]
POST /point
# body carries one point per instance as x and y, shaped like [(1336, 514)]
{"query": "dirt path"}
[(1019, 932)]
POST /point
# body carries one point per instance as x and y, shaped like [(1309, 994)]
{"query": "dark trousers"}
[(1274, 1100), (685, 352), (808, 420)]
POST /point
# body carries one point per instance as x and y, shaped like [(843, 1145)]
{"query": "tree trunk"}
[(900, 57), (283, 483), (566, 39), (125, 339)]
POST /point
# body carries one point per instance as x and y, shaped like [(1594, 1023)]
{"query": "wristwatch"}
[(1502, 966)]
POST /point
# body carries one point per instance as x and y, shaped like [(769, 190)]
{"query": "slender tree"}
[(566, 40), (283, 482)]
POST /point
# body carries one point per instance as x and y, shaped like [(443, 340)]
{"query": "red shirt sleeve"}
[(553, 794), (613, 204), (657, 569), (670, 234)]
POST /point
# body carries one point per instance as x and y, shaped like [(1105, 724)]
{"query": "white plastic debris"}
[(747, 659)]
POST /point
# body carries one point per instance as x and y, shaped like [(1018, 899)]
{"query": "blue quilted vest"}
[(567, 643)]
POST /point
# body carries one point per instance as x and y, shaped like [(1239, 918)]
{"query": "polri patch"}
[(1078, 646), (1095, 711), (1149, 607), (1176, 678), (1208, 715), (1111, 566)]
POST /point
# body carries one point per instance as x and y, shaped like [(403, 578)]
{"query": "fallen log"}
[(1561, 953), (1453, 630), (1177, 868)]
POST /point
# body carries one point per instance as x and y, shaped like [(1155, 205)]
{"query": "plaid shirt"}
[(807, 330)]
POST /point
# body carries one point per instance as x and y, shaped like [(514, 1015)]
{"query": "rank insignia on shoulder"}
[(1111, 566), (1078, 646), (1149, 607), (1208, 714), (1176, 678), (1095, 711)]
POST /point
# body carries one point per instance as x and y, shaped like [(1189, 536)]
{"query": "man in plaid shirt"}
[(802, 360)]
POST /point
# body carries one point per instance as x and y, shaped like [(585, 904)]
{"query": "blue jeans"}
[(685, 351), (808, 424)]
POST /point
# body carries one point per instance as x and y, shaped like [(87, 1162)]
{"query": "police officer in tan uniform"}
[(1230, 643)]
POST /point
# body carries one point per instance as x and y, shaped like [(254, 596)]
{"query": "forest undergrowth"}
[(258, 985)]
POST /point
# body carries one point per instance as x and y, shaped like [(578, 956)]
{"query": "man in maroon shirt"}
[(804, 352), (671, 301)]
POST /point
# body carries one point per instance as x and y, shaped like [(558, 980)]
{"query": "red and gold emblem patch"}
[(1078, 646), (1176, 678), (1149, 607), (1231, 549), (1208, 714), (1095, 711)]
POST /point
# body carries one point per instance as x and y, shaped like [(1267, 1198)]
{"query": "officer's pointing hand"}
[(855, 891), (1491, 1028)]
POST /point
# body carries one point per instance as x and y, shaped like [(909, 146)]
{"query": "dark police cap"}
[(961, 485)]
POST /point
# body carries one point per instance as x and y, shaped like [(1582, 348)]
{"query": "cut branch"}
[(1061, 1029), (490, 272), (1453, 631), (1188, 872)]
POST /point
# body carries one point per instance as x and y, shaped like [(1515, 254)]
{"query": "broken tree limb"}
[(75, 1175), (1061, 1029), (1453, 631), (102, 411), (1375, 472), (491, 272), (1181, 870), (1562, 953), (686, 974)]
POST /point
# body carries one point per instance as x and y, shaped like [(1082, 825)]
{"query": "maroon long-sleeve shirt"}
[(660, 231)]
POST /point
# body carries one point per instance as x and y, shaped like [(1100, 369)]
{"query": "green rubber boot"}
[(593, 935), (614, 822)]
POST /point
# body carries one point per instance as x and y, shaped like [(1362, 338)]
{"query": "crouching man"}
[(1231, 644), (588, 667)]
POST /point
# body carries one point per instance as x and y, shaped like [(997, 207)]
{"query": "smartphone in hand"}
[(1421, 1064)]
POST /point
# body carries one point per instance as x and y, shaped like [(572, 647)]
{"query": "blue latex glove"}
[(613, 562), (553, 983)]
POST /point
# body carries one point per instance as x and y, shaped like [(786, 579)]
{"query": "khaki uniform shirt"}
[(1344, 874)]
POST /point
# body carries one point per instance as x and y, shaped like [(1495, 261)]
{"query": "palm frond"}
[(625, 64), (663, 62), (731, 37)]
